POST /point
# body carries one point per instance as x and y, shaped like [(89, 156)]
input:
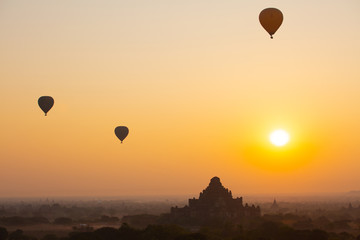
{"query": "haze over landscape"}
[(199, 84)]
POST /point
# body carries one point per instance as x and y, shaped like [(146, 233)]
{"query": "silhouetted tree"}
[(50, 237), (16, 235), (128, 233), (192, 236), (346, 236), (285, 233), (318, 235), (19, 235), (3, 233), (107, 233), (82, 236), (162, 232)]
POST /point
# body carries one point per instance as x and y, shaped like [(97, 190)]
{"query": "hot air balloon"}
[(271, 19), (121, 132), (46, 103)]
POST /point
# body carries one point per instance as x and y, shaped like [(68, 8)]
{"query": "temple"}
[(215, 202)]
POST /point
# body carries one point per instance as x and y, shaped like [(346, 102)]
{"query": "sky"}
[(199, 84)]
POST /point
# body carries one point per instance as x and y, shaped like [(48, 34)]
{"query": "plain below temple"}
[(215, 203)]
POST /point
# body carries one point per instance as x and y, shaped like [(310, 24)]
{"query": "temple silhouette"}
[(215, 203)]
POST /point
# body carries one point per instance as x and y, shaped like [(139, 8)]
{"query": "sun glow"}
[(279, 137)]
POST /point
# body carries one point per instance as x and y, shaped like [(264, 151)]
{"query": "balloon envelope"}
[(121, 132), (271, 19), (46, 103)]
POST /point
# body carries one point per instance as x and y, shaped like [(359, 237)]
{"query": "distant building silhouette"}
[(275, 206), (214, 203)]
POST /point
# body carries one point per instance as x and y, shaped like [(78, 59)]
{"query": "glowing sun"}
[(279, 137)]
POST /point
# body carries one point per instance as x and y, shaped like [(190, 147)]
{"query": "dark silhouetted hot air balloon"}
[(121, 132), (271, 19), (46, 103)]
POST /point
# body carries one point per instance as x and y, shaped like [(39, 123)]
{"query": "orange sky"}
[(199, 84)]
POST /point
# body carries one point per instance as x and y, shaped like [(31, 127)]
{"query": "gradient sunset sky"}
[(199, 84)]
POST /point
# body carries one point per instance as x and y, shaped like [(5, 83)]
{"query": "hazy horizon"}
[(303, 196)]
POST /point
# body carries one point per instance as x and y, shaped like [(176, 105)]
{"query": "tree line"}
[(265, 231)]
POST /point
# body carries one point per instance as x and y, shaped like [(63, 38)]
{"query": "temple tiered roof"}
[(215, 202)]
